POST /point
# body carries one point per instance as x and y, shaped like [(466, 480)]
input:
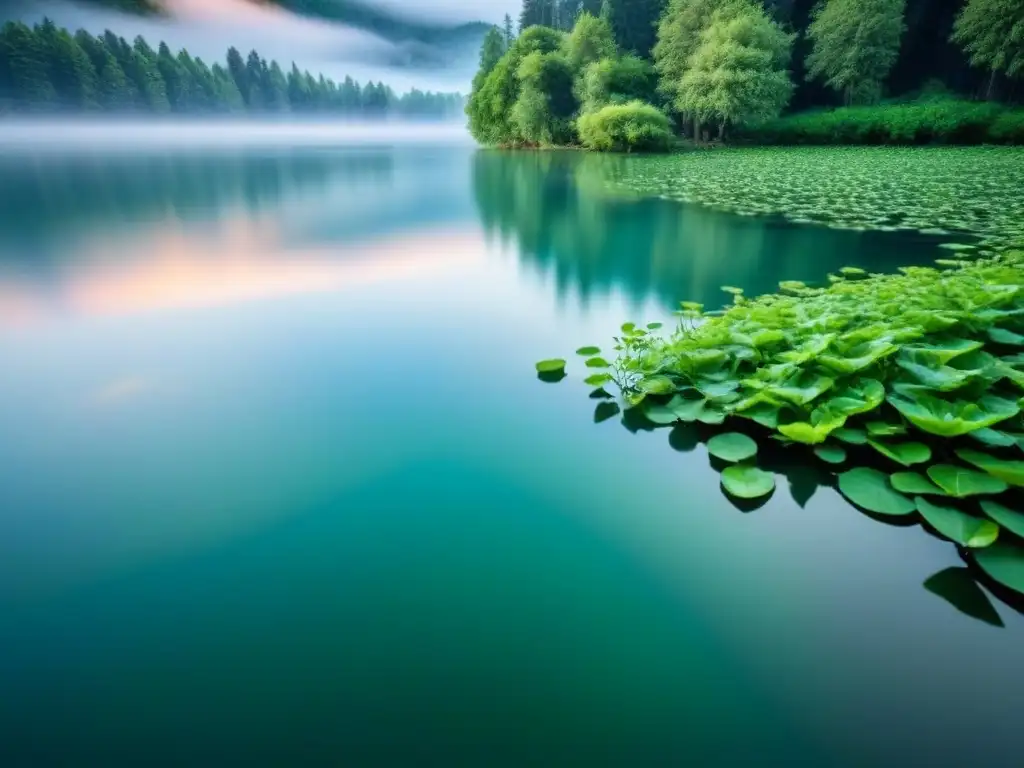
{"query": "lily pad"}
[(747, 482), (1011, 472), (961, 482), (851, 435), (1004, 562), (870, 489), (597, 362), (950, 419), (965, 530), (732, 447), (831, 454), (588, 351), (907, 454), (551, 366), (598, 379), (914, 483), (1006, 517)]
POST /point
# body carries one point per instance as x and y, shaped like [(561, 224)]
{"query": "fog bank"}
[(84, 135)]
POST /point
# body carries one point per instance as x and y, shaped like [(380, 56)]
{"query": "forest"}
[(45, 69), (636, 74)]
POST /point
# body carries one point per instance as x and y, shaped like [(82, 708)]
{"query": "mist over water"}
[(128, 135)]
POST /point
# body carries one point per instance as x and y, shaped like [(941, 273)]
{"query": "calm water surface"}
[(278, 485)]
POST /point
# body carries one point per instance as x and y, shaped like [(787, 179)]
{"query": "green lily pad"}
[(851, 435), (870, 489), (1005, 336), (831, 454), (597, 362), (961, 482), (914, 483), (1004, 562), (965, 530), (747, 482), (550, 366), (942, 352), (1006, 517), (907, 454), (656, 385), (588, 351), (732, 446), (950, 419), (598, 379), (993, 438), (1011, 472), (686, 410), (660, 414)]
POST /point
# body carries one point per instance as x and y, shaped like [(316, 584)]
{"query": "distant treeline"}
[(47, 69)]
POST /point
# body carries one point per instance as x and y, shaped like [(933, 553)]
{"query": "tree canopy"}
[(992, 34), (856, 43)]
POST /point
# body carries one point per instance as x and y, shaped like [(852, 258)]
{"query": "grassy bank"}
[(940, 121)]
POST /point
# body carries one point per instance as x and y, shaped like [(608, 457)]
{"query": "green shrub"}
[(618, 81), (626, 128), (930, 120)]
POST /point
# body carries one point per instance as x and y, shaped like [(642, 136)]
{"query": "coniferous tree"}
[(29, 75), (175, 79), (254, 93), (509, 32), (71, 71), (991, 33), (116, 93), (634, 23), (238, 71), (856, 43)]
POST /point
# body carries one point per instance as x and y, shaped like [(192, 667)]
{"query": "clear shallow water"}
[(278, 485)]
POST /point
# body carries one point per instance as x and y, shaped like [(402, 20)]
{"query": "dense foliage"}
[(906, 388), (45, 69), (938, 121), (737, 65), (625, 128)]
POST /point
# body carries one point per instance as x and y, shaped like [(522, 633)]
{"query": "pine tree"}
[(71, 71), (275, 94), (509, 32), (116, 93), (856, 43), (28, 69), (254, 67), (491, 51), (991, 33), (634, 23), (145, 73), (237, 68), (175, 78), (225, 93)]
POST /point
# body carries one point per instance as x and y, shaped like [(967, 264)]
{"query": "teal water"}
[(278, 486)]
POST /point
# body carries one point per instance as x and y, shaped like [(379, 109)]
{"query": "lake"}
[(279, 485)]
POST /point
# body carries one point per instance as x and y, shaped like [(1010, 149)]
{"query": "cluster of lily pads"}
[(937, 191), (907, 386)]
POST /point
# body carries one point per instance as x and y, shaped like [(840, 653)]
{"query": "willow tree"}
[(856, 43), (991, 32), (739, 74)]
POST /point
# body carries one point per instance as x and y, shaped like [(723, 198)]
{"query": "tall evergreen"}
[(634, 23), (28, 68), (70, 69)]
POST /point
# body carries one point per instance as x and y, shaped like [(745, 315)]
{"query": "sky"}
[(208, 27)]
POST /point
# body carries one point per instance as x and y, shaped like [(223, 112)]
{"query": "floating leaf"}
[(860, 357), (598, 379), (550, 366), (747, 482), (950, 419), (654, 326), (993, 438), (1004, 562), (870, 490), (597, 362), (942, 352), (851, 435), (906, 454), (1006, 517), (832, 454), (915, 484), (660, 414), (802, 388), (867, 395), (1011, 472), (733, 290), (965, 530), (959, 589), (588, 351), (1007, 337), (961, 482), (656, 385), (628, 328), (686, 410), (732, 447), (885, 429), (816, 431)]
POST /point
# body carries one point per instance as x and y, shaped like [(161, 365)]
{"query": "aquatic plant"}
[(907, 386), (958, 192)]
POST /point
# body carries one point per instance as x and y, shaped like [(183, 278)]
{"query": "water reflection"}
[(557, 210)]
